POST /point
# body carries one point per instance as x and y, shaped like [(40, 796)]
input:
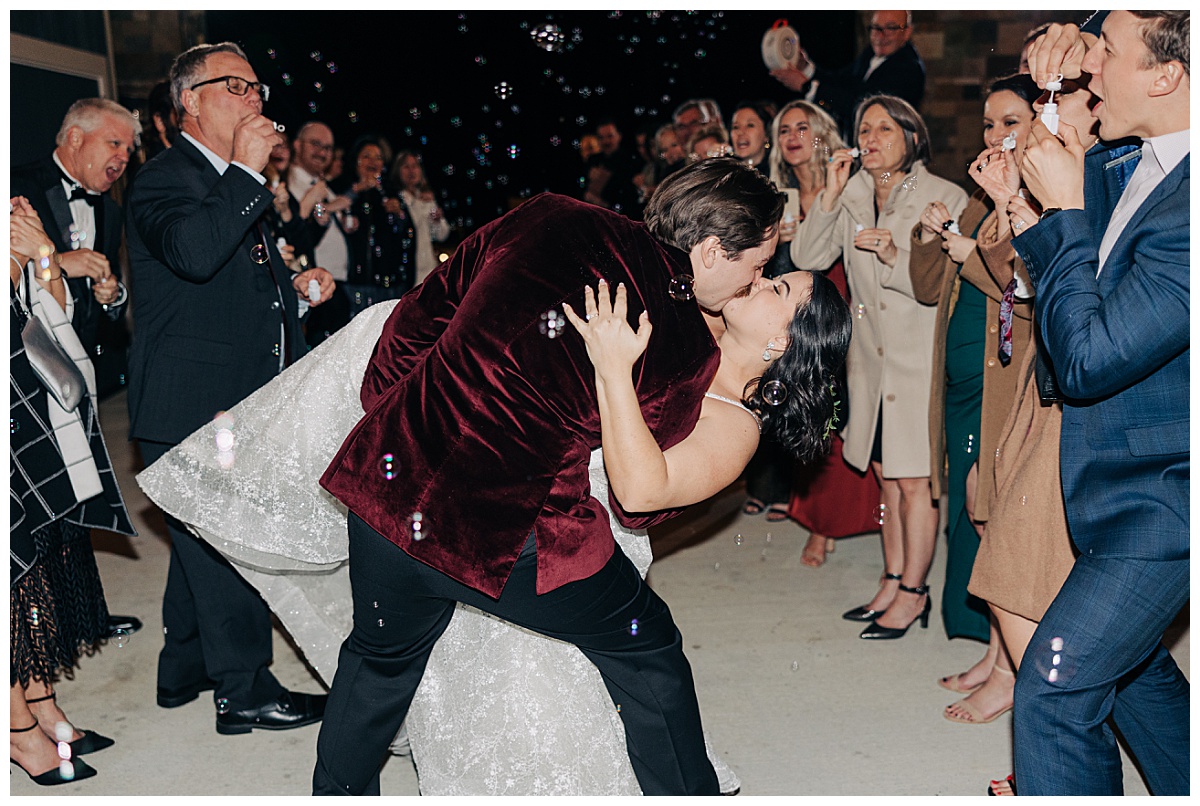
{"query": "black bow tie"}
[(79, 192)]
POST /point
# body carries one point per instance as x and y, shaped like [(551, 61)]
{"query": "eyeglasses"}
[(238, 86), (886, 29), (318, 146)]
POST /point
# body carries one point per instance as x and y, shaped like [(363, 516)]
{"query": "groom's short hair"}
[(719, 196)]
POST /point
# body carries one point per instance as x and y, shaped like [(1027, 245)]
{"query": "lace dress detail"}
[(500, 709)]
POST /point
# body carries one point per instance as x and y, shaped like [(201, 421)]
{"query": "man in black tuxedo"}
[(890, 66), (218, 315), (69, 191)]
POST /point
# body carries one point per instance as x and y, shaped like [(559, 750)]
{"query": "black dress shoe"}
[(173, 698), (90, 742), (122, 625), (79, 771), (290, 710)]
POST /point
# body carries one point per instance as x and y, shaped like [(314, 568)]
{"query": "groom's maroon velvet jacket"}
[(480, 421)]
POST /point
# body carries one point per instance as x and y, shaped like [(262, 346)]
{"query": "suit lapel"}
[(56, 197), (1169, 186)]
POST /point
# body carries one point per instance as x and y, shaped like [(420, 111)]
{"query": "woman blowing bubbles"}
[(864, 218)]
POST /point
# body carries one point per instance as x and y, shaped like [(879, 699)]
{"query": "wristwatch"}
[(1049, 211)]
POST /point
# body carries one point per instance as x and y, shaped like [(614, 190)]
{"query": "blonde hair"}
[(824, 132)]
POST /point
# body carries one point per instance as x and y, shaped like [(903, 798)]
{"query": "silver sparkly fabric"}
[(500, 710)]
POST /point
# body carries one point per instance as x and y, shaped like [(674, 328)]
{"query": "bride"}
[(500, 709)]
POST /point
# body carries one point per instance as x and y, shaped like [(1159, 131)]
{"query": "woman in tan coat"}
[(974, 385), (867, 220)]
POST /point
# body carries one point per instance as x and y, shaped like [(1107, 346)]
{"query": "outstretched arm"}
[(643, 477)]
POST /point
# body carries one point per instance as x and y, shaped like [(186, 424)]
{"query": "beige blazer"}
[(891, 346)]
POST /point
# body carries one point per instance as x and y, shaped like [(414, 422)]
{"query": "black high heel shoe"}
[(865, 614), (875, 632), (79, 768), (89, 742)]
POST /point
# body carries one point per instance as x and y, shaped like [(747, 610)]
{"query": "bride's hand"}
[(612, 345)]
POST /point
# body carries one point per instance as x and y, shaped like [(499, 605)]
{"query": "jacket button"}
[(891, 398), (275, 351), (879, 350), (991, 362), (993, 329), (883, 306), (275, 305)]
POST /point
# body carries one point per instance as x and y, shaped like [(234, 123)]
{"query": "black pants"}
[(215, 624), (401, 608)]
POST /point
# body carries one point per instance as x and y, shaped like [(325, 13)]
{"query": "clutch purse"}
[(50, 361)]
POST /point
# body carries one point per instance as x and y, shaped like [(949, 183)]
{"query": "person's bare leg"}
[(30, 748), (994, 697), (892, 533), (965, 682), (45, 708), (1016, 632), (919, 516)]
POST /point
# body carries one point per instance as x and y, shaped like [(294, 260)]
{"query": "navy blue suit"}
[(1120, 347)]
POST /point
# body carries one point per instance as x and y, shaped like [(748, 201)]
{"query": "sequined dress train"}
[(500, 710)]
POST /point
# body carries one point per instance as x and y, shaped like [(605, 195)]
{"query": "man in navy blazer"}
[(1113, 310), (218, 315)]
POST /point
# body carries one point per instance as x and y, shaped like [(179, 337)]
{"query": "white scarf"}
[(68, 426)]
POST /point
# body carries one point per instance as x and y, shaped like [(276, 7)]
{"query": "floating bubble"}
[(287, 79), (629, 51), (795, 666), (737, 540), (318, 86), (716, 566), (682, 288), (408, 131), (504, 90), (552, 324), (225, 459), (462, 28), (700, 54), (585, 92), (860, 311), (774, 393), (581, 120), (481, 60), (600, 90), (548, 37), (389, 466), (34, 616), (271, 53), (633, 627), (416, 522), (259, 254), (768, 537), (909, 183), (353, 116), (885, 177), (13, 426), (456, 121), (312, 106), (881, 514), (414, 113), (433, 107), (224, 439), (120, 637), (331, 67), (99, 349)]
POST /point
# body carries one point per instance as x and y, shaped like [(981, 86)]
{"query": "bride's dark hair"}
[(804, 420)]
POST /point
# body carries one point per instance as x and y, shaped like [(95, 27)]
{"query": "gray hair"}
[(88, 114), (188, 68)]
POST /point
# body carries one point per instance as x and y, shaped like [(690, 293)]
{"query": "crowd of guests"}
[(1021, 351)]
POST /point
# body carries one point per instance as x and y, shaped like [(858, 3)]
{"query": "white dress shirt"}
[(332, 252)]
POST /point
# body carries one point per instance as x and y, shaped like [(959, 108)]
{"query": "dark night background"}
[(432, 81)]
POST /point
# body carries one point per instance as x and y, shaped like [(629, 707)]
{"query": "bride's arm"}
[(644, 478)]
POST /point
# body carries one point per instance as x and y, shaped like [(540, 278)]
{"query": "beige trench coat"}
[(891, 346)]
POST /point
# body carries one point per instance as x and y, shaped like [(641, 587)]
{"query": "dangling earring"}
[(767, 352)]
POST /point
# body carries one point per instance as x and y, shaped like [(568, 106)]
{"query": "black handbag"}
[(49, 360)]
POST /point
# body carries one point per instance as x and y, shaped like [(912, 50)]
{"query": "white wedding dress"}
[(500, 710)]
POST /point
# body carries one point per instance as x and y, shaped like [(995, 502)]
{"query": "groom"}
[(467, 480)]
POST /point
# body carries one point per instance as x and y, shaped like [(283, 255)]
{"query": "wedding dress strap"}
[(737, 403)]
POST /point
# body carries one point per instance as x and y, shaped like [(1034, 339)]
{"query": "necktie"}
[(1006, 315)]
